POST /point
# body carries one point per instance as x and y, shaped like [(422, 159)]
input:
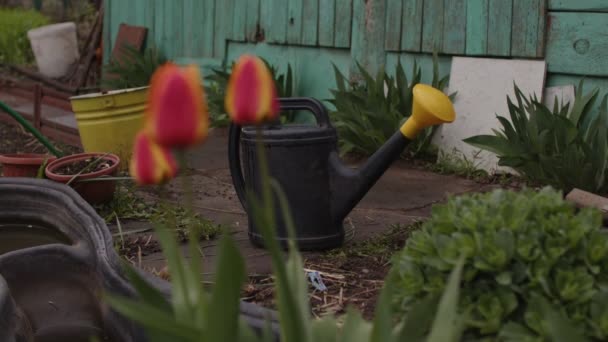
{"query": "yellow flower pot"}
[(109, 121)]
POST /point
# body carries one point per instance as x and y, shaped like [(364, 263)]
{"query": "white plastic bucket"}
[(55, 48)]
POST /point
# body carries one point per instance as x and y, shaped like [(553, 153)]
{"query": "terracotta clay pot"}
[(23, 164), (93, 192)]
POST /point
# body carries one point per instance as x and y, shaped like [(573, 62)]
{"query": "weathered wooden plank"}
[(542, 29), (193, 31), (223, 26), (411, 25), (524, 28), (327, 10), (294, 22), (253, 19), (392, 40), (577, 43), (343, 23), (454, 26), (160, 38), (477, 27), (579, 5), (239, 20), (108, 42), (206, 27), (276, 11), (173, 10), (499, 27), (368, 36), (432, 26), (310, 17)]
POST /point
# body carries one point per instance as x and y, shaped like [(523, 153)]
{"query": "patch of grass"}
[(456, 163), (127, 205), (380, 247)]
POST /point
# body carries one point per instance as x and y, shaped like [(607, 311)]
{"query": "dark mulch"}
[(353, 276), (89, 165)]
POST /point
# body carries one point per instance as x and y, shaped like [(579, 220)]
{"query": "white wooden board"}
[(483, 85)]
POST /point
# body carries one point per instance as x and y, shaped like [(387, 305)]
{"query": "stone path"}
[(402, 196)]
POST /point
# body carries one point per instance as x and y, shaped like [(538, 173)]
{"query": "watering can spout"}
[(430, 107)]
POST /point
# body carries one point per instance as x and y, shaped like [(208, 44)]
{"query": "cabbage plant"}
[(527, 254)]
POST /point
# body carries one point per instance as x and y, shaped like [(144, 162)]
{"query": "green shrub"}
[(523, 250), (365, 117), (216, 91), (561, 147), (15, 47), (134, 70)]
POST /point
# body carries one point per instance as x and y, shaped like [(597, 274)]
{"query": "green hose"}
[(31, 129)]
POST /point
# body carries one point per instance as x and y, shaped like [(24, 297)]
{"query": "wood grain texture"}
[(411, 25), (368, 36), (499, 27), (432, 26), (310, 22), (327, 10), (542, 29), (107, 31), (253, 19), (577, 43), (579, 5), (343, 23), (276, 31), (239, 21), (206, 27), (394, 13), (454, 26), (294, 21), (223, 26), (477, 27), (524, 28)]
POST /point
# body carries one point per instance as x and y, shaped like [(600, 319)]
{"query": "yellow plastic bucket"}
[(109, 121)]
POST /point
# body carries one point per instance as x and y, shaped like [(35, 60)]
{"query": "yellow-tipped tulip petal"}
[(177, 115), (251, 95), (151, 163)]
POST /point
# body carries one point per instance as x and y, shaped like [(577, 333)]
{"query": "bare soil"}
[(353, 276), (78, 166), (14, 139)]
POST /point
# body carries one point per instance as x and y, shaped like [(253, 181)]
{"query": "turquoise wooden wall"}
[(312, 34)]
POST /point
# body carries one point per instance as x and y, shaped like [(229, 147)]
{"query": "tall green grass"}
[(14, 45)]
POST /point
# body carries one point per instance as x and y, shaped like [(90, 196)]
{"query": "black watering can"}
[(304, 160)]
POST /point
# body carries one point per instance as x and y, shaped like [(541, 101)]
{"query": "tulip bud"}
[(251, 95), (177, 115), (151, 163)]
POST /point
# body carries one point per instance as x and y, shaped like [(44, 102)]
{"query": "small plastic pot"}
[(23, 164), (93, 192)]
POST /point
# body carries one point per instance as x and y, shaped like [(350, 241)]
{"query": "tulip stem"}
[(192, 228)]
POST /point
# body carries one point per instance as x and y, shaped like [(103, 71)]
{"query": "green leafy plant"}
[(134, 69), (15, 46), (527, 253), (367, 114), (566, 147), (217, 82)]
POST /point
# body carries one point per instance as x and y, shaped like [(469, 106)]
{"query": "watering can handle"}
[(234, 138)]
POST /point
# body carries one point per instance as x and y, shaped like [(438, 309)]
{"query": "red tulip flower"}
[(251, 95), (151, 163), (177, 114)]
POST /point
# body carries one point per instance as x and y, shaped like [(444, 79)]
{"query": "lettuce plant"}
[(523, 251)]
